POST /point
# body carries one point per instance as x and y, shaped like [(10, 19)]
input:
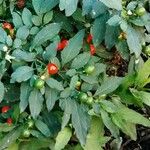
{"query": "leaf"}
[(108, 106), (10, 138), (70, 6), (111, 36), (47, 33), (23, 55), (3, 36), (87, 6), (73, 81), (99, 26), (22, 33), (98, 9), (27, 17), (22, 73), (143, 96), (114, 4), (43, 128), (133, 41), (80, 121), (89, 79), (114, 20), (43, 6), (48, 17), (73, 47), (2, 91), (17, 21), (109, 124), (51, 96), (54, 84), (110, 85), (133, 117), (143, 74), (24, 96), (95, 134), (78, 62), (126, 127), (35, 103), (63, 138)]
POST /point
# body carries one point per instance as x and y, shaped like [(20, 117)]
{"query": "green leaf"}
[(143, 74), (114, 4), (3, 36), (22, 73), (42, 7), (109, 124), (51, 96), (77, 15), (27, 17), (73, 48), (80, 121), (126, 127), (10, 138), (54, 84), (22, 33), (108, 86), (99, 26), (4, 127), (47, 33), (133, 117), (23, 55), (17, 21), (36, 144), (98, 9), (111, 36), (143, 96), (114, 20), (108, 106), (73, 81), (35, 103), (24, 96), (2, 91), (89, 79), (95, 134), (43, 128), (37, 20), (133, 41), (78, 62), (48, 17), (69, 6), (87, 6), (63, 138)]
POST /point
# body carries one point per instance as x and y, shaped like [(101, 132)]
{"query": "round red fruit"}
[(92, 49), (9, 121), (89, 38), (62, 45), (7, 25), (5, 109), (52, 69)]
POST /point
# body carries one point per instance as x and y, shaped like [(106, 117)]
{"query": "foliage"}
[(68, 69)]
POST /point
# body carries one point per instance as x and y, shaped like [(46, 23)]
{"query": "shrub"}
[(73, 73)]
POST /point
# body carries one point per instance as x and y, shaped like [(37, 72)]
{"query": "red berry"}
[(9, 121), (7, 25), (62, 45), (92, 49), (5, 109), (89, 38), (52, 68), (59, 46)]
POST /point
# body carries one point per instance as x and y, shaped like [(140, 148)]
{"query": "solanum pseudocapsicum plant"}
[(69, 69)]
